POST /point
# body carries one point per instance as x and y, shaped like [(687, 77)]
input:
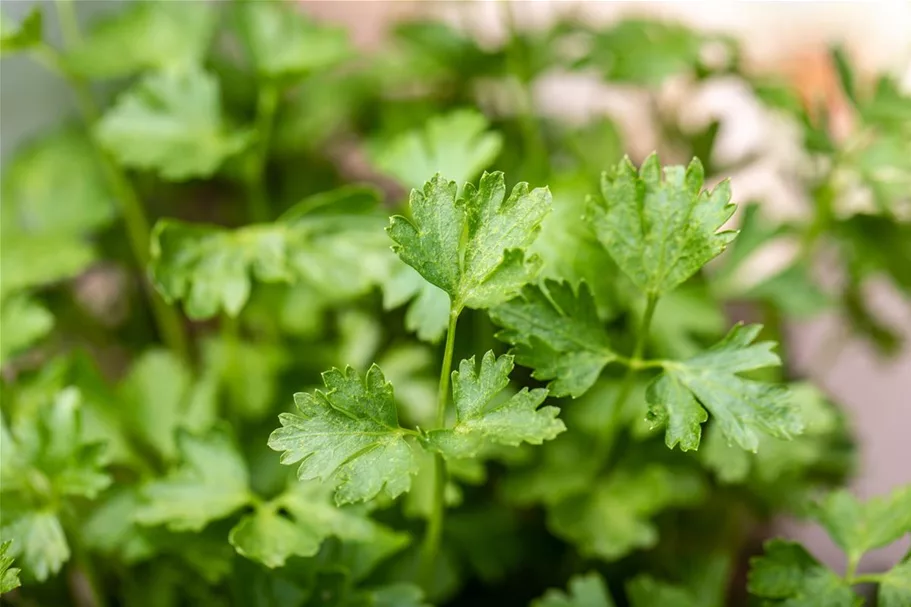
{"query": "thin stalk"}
[(866, 578), (137, 225), (431, 546), (604, 446), (257, 195)]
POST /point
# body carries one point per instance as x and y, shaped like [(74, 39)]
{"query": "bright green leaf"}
[(860, 527), (326, 236), (349, 433), (744, 409), (171, 122), (271, 538), (210, 483), (172, 36), (481, 417), (31, 260), (38, 542), (283, 41), (457, 144), (9, 576), (428, 314), (486, 267), (587, 590), (660, 227), (895, 586), (789, 574), (23, 36), (556, 331), (23, 321)]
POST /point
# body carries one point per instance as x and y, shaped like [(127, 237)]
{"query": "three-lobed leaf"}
[(350, 434), (660, 226), (482, 418), (744, 409), (171, 122), (472, 247), (556, 331)]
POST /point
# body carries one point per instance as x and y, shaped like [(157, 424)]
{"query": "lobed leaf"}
[(789, 575), (588, 590)]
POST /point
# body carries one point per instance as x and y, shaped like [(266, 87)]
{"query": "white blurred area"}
[(790, 39)]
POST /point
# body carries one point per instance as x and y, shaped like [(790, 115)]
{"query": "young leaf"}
[(211, 483), (210, 268), (744, 409), (9, 576), (895, 586), (486, 267), (481, 419), (556, 331), (166, 36), (349, 433), (789, 575), (457, 144), (284, 42), (632, 497), (587, 590), (23, 321), (38, 541), (660, 227), (646, 591), (171, 122), (22, 37), (858, 528)]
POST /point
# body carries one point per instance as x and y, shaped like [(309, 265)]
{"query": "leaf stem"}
[(167, 320), (257, 194), (431, 546), (605, 446)]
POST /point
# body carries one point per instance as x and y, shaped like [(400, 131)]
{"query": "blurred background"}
[(789, 40)]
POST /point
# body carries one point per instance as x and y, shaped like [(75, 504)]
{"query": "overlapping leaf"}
[(472, 247), (349, 433), (744, 409), (556, 331), (171, 122), (480, 418), (786, 574), (322, 238), (660, 226)]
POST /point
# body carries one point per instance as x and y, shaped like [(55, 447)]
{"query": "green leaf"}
[(481, 417), (285, 42), (457, 144), (587, 590), (32, 202), (248, 373), (428, 314), (9, 576), (23, 321), (166, 36), (211, 483), (660, 227), (171, 122), (858, 528), (47, 445), (31, 260), (789, 574), (612, 517), (395, 595), (38, 542), (488, 265), (895, 586), (349, 433), (646, 591), (645, 52), (323, 237), (24, 36), (744, 409), (556, 331)]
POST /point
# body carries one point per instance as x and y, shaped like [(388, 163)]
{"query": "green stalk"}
[(137, 224), (434, 532), (635, 362), (257, 195)]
